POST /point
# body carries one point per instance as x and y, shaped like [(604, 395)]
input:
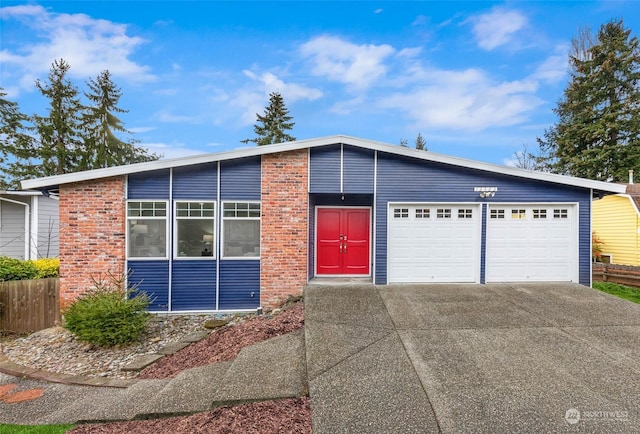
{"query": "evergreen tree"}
[(59, 136), (275, 123), (13, 138), (597, 135), (421, 143), (101, 146)]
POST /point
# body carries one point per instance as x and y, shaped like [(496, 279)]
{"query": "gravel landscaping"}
[(57, 350)]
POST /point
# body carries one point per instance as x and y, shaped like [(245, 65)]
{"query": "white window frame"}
[(166, 229), (176, 255), (222, 227)]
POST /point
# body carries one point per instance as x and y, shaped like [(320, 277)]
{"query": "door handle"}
[(340, 247)]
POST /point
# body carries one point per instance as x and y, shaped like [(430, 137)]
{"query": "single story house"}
[(28, 225), (243, 229), (616, 222)]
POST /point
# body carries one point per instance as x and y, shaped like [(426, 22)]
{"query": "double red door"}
[(342, 241)]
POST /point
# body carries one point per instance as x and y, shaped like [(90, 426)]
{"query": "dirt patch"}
[(225, 343), (282, 416)]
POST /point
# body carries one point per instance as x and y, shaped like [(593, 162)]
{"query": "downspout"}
[(26, 224)]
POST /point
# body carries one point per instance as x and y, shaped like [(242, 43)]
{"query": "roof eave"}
[(312, 143)]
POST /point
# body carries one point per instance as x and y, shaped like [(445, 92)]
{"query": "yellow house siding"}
[(615, 221)]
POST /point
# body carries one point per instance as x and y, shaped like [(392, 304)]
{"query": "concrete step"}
[(275, 368)]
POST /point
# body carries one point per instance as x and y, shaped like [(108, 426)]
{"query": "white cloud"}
[(89, 45), (497, 27), (165, 116), (170, 150), (554, 68), (255, 97), (465, 100), (358, 66), (291, 92)]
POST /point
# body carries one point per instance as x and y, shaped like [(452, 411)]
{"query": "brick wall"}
[(284, 244), (92, 234)]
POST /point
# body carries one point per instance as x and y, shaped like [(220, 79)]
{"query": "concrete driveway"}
[(472, 358)]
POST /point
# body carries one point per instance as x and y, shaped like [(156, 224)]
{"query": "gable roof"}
[(51, 181)]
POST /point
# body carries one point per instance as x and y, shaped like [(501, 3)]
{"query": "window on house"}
[(401, 213), (423, 213), (443, 213), (518, 214), (241, 229), (466, 213), (195, 229), (497, 214), (539, 213), (146, 229), (560, 213)]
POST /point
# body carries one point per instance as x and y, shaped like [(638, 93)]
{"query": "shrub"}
[(15, 269), (46, 267), (109, 314)]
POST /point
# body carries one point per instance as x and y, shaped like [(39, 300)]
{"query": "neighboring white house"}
[(28, 225)]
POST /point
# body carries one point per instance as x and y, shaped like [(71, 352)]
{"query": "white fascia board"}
[(313, 143), (21, 193)]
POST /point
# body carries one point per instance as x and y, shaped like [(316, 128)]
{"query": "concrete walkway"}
[(270, 369), (407, 359), (472, 358)]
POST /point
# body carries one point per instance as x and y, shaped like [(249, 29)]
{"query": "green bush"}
[(109, 314), (15, 269)]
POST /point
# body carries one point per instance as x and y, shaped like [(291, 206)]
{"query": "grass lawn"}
[(626, 292), (34, 429)]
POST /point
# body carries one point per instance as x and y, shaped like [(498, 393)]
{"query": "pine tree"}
[(59, 133), (275, 123), (421, 143), (597, 135), (101, 146), (13, 138)]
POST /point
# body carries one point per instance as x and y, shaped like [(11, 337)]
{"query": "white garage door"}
[(534, 242), (434, 243)]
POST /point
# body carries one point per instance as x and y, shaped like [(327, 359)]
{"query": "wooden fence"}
[(29, 305), (622, 274)]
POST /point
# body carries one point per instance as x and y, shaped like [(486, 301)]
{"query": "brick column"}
[(92, 234), (284, 244)]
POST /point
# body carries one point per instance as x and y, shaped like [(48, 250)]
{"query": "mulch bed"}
[(283, 416), (225, 343), (286, 416)]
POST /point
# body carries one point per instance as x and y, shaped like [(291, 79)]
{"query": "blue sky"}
[(477, 79)]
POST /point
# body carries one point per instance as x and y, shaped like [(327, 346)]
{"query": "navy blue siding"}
[(324, 166), (435, 182), (196, 182), (240, 179), (358, 170), (151, 277), (239, 285), (148, 185), (193, 285)]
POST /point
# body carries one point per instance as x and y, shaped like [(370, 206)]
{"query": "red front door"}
[(342, 243)]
